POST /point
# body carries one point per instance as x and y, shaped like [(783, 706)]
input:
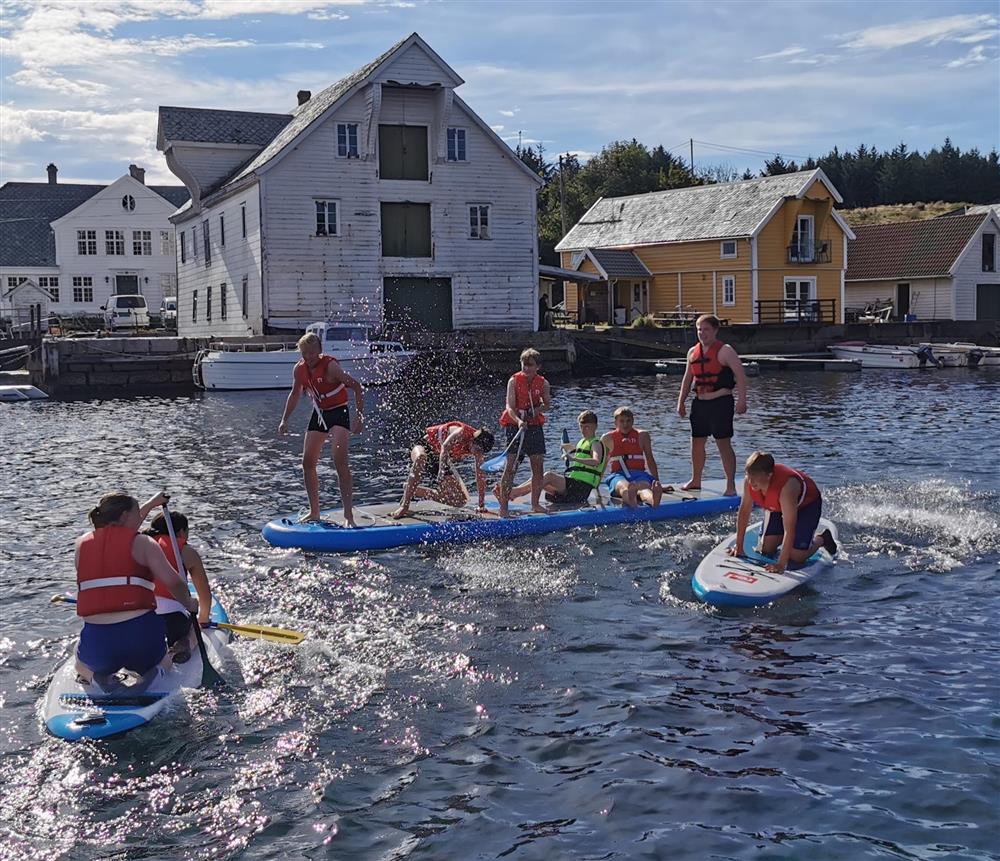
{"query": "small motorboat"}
[(14, 394), (899, 356), (977, 355), (254, 365)]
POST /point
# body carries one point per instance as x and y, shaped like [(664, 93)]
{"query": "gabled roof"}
[(723, 211), (204, 125), (615, 263), (28, 283), (27, 210), (910, 249)]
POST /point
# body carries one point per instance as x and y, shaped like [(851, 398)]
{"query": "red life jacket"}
[(710, 375), (771, 501), (437, 434), (527, 398), (108, 579), (328, 395), (168, 551), (628, 447)]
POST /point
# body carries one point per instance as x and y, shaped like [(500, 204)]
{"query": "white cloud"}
[(976, 56), (786, 52), (497, 129), (933, 31), (508, 113)]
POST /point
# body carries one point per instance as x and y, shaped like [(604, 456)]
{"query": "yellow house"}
[(765, 250)]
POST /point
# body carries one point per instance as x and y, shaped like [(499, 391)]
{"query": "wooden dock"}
[(802, 363)]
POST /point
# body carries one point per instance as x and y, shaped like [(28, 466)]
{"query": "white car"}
[(126, 311), (168, 312)]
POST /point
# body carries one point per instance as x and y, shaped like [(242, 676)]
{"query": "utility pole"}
[(691, 141), (562, 197), (519, 141)]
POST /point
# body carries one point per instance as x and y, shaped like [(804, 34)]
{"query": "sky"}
[(82, 79)]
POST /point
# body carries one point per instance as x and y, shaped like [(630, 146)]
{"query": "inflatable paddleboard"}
[(433, 523), (73, 711), (741, 581)]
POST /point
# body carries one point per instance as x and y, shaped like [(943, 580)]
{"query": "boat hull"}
[(222, 370)]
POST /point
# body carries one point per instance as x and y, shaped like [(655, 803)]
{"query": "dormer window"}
[(347, 140), (128, 203), (456, 144), (728, 249)]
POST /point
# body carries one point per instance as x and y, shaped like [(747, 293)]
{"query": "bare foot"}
[(657, 490), (402, 511), (310, 518), (691, 485), (630, 498), (349, 523), (496, 493), (730, 490), (829, 544), (538, 509)]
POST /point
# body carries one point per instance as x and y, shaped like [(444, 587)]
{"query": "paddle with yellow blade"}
[(260, 632)]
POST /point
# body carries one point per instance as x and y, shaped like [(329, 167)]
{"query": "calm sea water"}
[(561, 696)]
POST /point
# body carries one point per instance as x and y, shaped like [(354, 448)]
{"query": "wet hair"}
[(484, 439), (624, 411), (588, 417), (711, 319), (111, 507), (310, 339), (159, 524), (760, 463), (531, 355)]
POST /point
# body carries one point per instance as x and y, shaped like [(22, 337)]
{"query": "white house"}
[(937, 269), (82, 243), (382, 197)]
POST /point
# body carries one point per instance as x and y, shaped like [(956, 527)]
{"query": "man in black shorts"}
[(715, 374)]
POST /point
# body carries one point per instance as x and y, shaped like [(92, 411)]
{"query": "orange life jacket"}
[(710, 375), (628, 447), (108, 579), (437, 434), (527, 398), (161, 591), (326, 394), (771, 501)]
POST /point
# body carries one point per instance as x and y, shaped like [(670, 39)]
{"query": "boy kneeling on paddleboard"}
[(584, 468), (793, 504), (434, 458)]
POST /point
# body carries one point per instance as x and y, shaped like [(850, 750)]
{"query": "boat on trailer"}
[(900, 356), (255, 365)]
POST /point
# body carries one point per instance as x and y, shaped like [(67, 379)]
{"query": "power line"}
[(748, 151)]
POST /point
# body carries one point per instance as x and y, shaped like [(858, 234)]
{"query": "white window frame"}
[(722, 249), (166, 243), (475, 211), (325, 202), (116, 241), (245, 286), (729, 283), (791, 279), (810, 247), (86, 240), (142, 240), (50, 283), (128, 203), (461, 148), (16, 280), (348, 150), (83, 283)]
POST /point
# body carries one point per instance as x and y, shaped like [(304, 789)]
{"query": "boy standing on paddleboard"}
[(528, 397), (634, 476), (326, 384), (717, 374)]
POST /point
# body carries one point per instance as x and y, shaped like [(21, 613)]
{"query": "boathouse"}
[(936, 269), (384, 196), (83, 242), (767, 250)]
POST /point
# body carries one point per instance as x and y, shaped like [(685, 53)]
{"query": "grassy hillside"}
[(892, 213)]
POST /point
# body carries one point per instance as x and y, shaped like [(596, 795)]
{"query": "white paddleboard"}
[(73, 711), (741, 581)]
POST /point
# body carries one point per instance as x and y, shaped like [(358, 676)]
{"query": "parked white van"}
[(126, 311)]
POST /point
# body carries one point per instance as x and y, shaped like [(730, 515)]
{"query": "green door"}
[(988, 301), (418, 303)]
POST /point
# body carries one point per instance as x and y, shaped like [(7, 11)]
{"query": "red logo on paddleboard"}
[(743, 578)]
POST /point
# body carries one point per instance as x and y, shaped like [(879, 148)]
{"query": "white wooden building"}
[(936, 269), (82, 243), (382, 197)]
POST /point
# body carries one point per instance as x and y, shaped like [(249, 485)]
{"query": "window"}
[(114, 242), (799, 293), (208, 257), (194, 307), (243, 219), (803, 247), (83, 288), (402, 152), (729, 290), (86, 242), (142, 242), (479, 221), (194, 242), (326, 218), (347, 140), (50, 283), (184, 255), (14, 280), (456, 144), (728, 248), (222, 230), (223, 310), (406, 230), (246, 284), (168, 285), (989, 252), (128, 203), (166, 243), (208, 305)]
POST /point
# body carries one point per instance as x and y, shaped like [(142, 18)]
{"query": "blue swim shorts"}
[(137, 644), (634, 475), (806, 524)]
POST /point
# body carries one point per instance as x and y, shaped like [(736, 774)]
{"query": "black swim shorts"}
[(336, 417), (532, 444), (432, 464), (713, 418), (577, 492)]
